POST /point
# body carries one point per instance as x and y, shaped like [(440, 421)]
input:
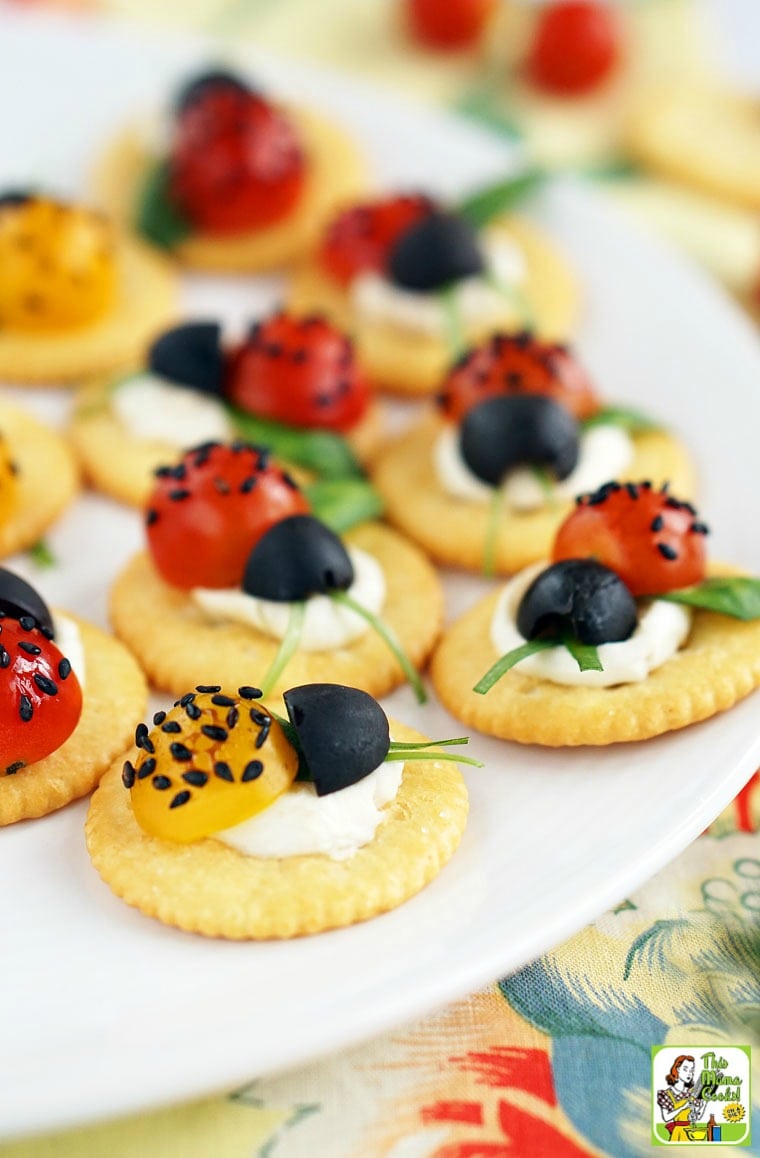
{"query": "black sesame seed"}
[(142, 739), (186, 699), (47, 686), (197, 779), (263, 735), (46, 632), (249, 693), (323, 401), (180, 752), (180, 799), (214, 732), (28, 622), (5, 658), (64, 669), (12, 769), (233, 715), (222, 701), (512, 379), (177, 496), (30, 648), (248, 484), (697, 528), (25, 708), (252, 771), (171, 726), (208, 688), (147, 768), (193, 711), (223, 771), (161, 783), (128, 774), (263, 461), (151, 517), (258, 717), (163, 472), (299, 356), (221, 486), (290, 481), (667, 551), (159, 718), (657, 523), (632, 489)]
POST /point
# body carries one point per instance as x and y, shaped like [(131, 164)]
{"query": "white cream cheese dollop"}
[(149, 407), (476, 299), (68, 640), (605, 452), (299, 822), (327, 624), (662, 629)]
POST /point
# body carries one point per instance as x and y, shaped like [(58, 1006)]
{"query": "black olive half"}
[(579, 595), (342, 732), (197, 87), (434, 252), (190, 355), (296, 558), (16, 197), (18, 598), (526, 430)]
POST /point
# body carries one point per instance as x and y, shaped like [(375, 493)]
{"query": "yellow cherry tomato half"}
[(8, 483), (212, 762), (57, 266)]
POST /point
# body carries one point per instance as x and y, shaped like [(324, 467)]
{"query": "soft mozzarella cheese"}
[(476, 299), (68, 640), (327, 624), (605, 452), (662, 629), (148, 407), (300, 822)]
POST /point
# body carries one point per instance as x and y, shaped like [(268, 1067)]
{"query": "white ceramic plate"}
[(104, 1011)]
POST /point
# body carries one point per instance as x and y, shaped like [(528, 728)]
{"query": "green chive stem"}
[(452, 757), (389, 638), (287, 648)]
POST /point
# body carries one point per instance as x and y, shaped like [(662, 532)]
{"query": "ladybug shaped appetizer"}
[(68, 695), (292, 383), (230, 820), (412, 280), (76, 296), (239, 571), (626, 633), (242, 184), (38, 479), (484, 481)]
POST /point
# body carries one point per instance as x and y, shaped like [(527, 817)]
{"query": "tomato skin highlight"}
[(236, 163), (654, 542), (577, 45), (38, 715), (360, 239), (206, 514), (301, 371), (447, 24), (517, 364)]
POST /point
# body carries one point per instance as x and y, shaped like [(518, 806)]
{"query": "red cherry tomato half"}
[(236, 163), (40, 697), (517, 364), (447, 24), (577, 44), (654, 542), (206, 514), (360, 238), (298, 370)]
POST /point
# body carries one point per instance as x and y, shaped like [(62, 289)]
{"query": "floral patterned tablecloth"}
[(554, 1061)]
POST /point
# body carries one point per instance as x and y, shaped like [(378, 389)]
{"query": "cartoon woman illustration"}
[(680, 1108)]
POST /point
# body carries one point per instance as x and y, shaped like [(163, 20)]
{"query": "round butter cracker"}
[(410, 363), (336, 175), (209, 888), (179, 647), (718, 666), (453, 530), (114, 701)]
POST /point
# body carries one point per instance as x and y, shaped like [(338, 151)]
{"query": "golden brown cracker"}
[(178, 646), (702, 136), (409, 363), (123, 466), (454, 530), (114, 701), (47, 478), (210, 888), (146, 303), (719, 665), (336, 174)]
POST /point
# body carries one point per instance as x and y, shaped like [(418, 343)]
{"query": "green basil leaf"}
[(584, 654), (481, 207), (156, 217), (737, 596), (632, 421), (503, 665), (321, 451), (341, 503)]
